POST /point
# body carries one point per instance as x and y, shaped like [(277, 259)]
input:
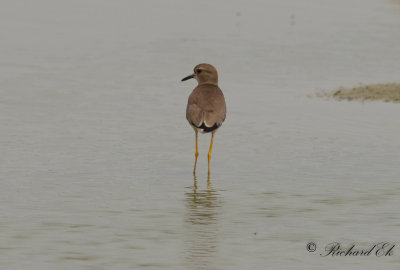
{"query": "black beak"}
[(188, 77)]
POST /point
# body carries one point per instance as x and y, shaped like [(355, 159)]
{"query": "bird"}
[(206, 108)]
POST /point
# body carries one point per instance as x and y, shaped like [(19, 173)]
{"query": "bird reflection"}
[(203, 208)]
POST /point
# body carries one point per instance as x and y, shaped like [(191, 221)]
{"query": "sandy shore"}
[(389, 92)]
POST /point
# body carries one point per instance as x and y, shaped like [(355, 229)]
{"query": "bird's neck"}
[(209, 82)]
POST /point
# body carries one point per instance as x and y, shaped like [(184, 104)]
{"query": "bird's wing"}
[(215, 108), (194, 114), (206, 105)]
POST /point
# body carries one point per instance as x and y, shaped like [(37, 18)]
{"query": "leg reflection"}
[(203, 209)]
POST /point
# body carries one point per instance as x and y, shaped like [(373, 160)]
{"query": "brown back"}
[(206, 105)]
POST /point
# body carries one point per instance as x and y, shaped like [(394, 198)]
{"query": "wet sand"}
[(389, 92)]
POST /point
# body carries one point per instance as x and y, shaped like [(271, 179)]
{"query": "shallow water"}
[(97, 156)]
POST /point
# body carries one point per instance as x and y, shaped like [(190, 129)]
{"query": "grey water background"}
[(96, 154)]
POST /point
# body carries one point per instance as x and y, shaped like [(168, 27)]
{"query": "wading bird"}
[(206, 109)]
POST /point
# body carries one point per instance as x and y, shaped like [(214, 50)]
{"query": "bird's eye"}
[(199, 71)]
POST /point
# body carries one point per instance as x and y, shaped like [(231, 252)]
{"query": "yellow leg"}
[(209, 152), (196, 154)]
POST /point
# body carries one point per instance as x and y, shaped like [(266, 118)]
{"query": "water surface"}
[(96, 154)]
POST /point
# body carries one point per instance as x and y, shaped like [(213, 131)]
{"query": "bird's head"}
[(204, 73)]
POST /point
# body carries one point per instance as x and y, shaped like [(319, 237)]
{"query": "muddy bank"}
[(389, 92)]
